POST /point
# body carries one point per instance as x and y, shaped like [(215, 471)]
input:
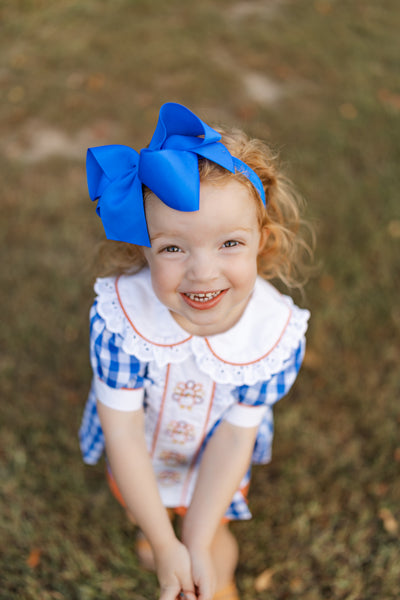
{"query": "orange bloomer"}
[(177, 510)]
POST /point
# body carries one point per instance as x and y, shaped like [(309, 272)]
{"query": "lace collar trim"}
[(268, 332)]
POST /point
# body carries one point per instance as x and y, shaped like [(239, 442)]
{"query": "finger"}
[(205, 590), (169, 593), (203, 594), (188, 591), (187, 595)]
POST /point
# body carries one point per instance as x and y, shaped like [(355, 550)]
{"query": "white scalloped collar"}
[(269, 330)]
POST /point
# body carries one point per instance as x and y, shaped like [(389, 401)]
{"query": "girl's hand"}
[(174, 571), (203, 573)]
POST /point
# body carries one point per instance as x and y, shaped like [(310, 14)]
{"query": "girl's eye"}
[(171, 249), (230, 244)]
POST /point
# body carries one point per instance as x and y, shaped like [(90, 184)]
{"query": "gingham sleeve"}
[(254, 401), (118, 376)]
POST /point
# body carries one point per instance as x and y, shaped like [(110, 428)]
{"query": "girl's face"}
[(203, 264)]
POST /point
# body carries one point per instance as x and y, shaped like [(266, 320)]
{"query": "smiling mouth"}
[(203, 297), (202, 300)]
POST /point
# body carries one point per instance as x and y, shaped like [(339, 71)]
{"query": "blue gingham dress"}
[(188, 385)]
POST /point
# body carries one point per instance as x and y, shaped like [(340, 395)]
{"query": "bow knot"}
[(168, 166)]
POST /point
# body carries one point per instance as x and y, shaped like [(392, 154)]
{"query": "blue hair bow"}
[(168, 166)]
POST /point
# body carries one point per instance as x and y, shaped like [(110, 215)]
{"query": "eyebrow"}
[(156, 236), (230, 233), (246, 229)]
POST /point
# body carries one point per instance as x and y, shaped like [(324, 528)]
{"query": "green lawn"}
[(320, 81)]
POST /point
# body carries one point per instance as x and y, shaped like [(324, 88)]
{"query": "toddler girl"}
[(190, 345)]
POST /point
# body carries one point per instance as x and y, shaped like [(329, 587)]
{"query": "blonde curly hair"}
[(286, 255)]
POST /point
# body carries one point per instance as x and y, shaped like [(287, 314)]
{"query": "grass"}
[(326, 511)]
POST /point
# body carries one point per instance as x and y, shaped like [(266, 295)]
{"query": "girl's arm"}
[(225, 461), (133, 472)]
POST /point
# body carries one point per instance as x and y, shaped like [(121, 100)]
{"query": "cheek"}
[(244, 272), (159, 281), (164, 277)]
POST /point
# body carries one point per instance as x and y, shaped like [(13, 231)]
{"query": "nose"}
[(202, 267)]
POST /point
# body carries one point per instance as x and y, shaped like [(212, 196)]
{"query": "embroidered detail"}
[(169, 478), (188, 394), (181, 432), (173, 459)]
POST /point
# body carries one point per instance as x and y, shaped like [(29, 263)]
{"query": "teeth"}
[(202, 297)]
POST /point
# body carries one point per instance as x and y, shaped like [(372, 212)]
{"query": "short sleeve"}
[(118, 376), (254, 401)]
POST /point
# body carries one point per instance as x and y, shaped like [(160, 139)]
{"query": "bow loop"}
[(107, 163), (175, 119), (172, 166), (113, 181)]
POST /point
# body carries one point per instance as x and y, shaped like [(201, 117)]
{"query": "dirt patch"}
[(243, 10), (262, 89), (36, 141)]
